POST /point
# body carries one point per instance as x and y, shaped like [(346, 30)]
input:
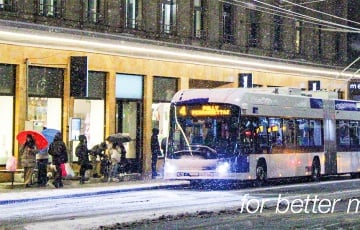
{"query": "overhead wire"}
[(273, 12), (310, 2), (320, 12), (313, 20), (279, 11), (309, 17)]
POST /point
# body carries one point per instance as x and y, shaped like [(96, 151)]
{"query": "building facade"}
[(99, 67)]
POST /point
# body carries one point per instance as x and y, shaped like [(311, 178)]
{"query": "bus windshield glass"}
[(208, 131)]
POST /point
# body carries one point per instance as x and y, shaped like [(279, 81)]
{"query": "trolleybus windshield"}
[(208, 131)]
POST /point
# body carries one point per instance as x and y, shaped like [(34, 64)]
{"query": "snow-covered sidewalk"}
[(73, 189)]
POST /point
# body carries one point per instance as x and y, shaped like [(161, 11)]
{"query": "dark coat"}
[(58, 151), (122, 153), (155, 147), (82, 153)]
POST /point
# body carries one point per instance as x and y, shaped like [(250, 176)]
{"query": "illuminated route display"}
[(204, 110)]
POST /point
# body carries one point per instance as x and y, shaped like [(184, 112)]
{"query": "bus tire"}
[(315, 170), (261, 173), (355, 175)]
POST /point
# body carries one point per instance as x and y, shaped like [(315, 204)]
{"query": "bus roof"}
[(235, 95), (265, 101)]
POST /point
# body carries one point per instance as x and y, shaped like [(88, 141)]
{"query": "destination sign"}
[(205, 110)]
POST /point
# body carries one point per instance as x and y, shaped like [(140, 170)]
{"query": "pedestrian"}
[(58, 151), (82, 152), (42, 160), (97, 152), (124, 164), (28, 159), (115, 157), (155, 151)]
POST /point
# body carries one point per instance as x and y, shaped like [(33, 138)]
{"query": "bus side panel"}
[(348, 162), (290, 165), (241, 164)]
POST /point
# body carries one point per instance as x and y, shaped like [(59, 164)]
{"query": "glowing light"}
[(169, 168), (182, 111), (260, 129), (223, 168), (208, 110)]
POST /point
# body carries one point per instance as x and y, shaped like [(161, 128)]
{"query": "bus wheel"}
[(316, 170), (261, 174), (355, 175)]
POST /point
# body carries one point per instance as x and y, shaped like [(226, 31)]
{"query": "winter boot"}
[(82, 180)]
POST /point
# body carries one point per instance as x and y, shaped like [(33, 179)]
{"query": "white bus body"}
[(261, 134)]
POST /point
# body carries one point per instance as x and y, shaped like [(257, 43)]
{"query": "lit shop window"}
[(164, 89), (7, 81)]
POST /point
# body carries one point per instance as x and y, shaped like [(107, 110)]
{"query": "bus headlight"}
[(170, 168), (223, 168)]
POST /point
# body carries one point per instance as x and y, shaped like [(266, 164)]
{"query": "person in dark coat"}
[(42, 159), (124, 164), (155, 151), (97, 150), (82, 152), (28, 159), (58, 151)]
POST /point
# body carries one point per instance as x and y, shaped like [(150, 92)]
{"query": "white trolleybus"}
[(260, 134)]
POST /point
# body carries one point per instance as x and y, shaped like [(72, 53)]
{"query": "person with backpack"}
[(58, 151)]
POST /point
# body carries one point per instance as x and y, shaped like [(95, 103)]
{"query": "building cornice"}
[(29, 34)]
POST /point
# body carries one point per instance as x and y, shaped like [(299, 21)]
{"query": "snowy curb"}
[(28, 196)]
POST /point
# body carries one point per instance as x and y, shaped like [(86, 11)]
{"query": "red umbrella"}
[(40, 140)]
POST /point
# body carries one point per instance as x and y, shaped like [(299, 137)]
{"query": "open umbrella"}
[(119, 138), (50, 134), (40, 140)]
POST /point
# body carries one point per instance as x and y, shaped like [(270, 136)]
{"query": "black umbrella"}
[(119, 138)]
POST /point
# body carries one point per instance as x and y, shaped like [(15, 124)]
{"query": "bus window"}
[(275, 131), (309, 133), (316, 132), (354, 133), (343, 133), (197, 134), (348, 135), (303, 132), (263, 135)]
